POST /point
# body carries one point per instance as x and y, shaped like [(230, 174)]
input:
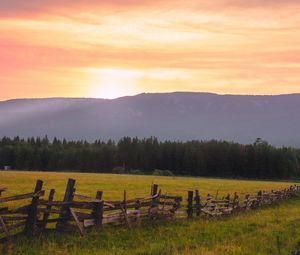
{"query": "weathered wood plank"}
[(89, 223), (2, 190), (22, 196), (4, 228), (48, 209), (65, 210), (131, 201), (197, 203), (97, 212), (141, 204), (14, 226), (120, 214), (124, 211), (190, 204), (13, 218), (90, 199), (3, 210), (21, 210), (51, 211), (154, 189), (81, 229), (30, 227), (171, 197), (53, 220), (73, 204)]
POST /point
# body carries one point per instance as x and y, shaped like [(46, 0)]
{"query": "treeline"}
[(193, 158)]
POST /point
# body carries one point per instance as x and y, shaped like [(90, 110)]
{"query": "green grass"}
[(272, 230)]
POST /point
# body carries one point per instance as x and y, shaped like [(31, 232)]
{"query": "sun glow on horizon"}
[(110, 83)]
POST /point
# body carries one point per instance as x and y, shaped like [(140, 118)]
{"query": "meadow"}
[(271, 230)]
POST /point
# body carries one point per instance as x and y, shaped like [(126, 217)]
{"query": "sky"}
[(108, 49)]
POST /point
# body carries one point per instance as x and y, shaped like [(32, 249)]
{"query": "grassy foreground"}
[(272, 230)]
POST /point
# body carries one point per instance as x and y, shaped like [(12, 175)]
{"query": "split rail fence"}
[(77, 212)]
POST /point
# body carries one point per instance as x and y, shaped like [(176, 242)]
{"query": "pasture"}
[(271, 230)]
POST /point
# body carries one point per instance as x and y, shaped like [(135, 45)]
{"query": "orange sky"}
[(67, 48)]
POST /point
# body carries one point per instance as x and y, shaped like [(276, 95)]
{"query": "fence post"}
[(227, 199), (260, 198), (138, 216), (154, 202), (65, 211), (236, 202), (30, 226), (98, 209), (125, 209), (246, 202), (154, 189), (48, 208), (190, 204), (198, 205)]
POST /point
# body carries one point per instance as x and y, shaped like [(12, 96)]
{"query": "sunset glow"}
[(112, 83), (114, 48)]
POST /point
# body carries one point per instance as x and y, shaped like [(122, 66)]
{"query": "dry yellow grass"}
[(267, 231), (136, 185)]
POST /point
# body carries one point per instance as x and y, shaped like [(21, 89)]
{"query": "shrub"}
[(118, 170), (168, 173), (160, 172), (136, 171)]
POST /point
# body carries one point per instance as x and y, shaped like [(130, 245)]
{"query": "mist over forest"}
[(167, 116)]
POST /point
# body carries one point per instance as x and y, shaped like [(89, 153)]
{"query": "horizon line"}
[(149, 93)]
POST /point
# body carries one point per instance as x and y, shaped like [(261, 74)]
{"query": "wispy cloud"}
[(226, 46)]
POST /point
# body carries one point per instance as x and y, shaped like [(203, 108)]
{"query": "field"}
[(272, 230)]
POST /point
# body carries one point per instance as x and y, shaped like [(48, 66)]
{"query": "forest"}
[(148, 155)]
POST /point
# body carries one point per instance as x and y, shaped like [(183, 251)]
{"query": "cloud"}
[(242, 46), (31, 8)]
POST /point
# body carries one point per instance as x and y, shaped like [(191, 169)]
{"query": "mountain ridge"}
[(168, 116), (151, 93)]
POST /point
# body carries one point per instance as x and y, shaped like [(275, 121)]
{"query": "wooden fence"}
[(77, 212)]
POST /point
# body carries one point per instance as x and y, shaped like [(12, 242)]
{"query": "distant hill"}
[(174, 116)]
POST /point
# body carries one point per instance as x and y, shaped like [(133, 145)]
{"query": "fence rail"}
[(78, 212)]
